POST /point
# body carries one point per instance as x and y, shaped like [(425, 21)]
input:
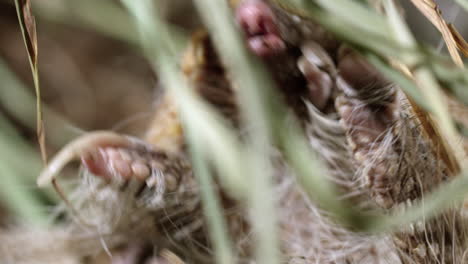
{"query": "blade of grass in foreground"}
[(17, 180), (17, 153), (105, 17), (18, 102), (254, 93), (155, 33)]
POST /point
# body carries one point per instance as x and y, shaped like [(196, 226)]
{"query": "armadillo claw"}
[(119, 158), (111, 162), (82, 147), (319, 71)]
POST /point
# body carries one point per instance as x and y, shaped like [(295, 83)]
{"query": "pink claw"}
[(258, 22), (105, 154), (111, 162), (96, 164), (107, 163)]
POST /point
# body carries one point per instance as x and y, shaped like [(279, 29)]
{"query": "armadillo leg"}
[(394, 160)]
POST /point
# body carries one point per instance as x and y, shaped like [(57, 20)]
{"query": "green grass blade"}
[(254, 93), (159, 47), (20, 104)]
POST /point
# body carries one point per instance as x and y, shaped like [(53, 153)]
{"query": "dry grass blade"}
[(28, 28), (461, 42), (438, 126), (422, 111), (432, 12)]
